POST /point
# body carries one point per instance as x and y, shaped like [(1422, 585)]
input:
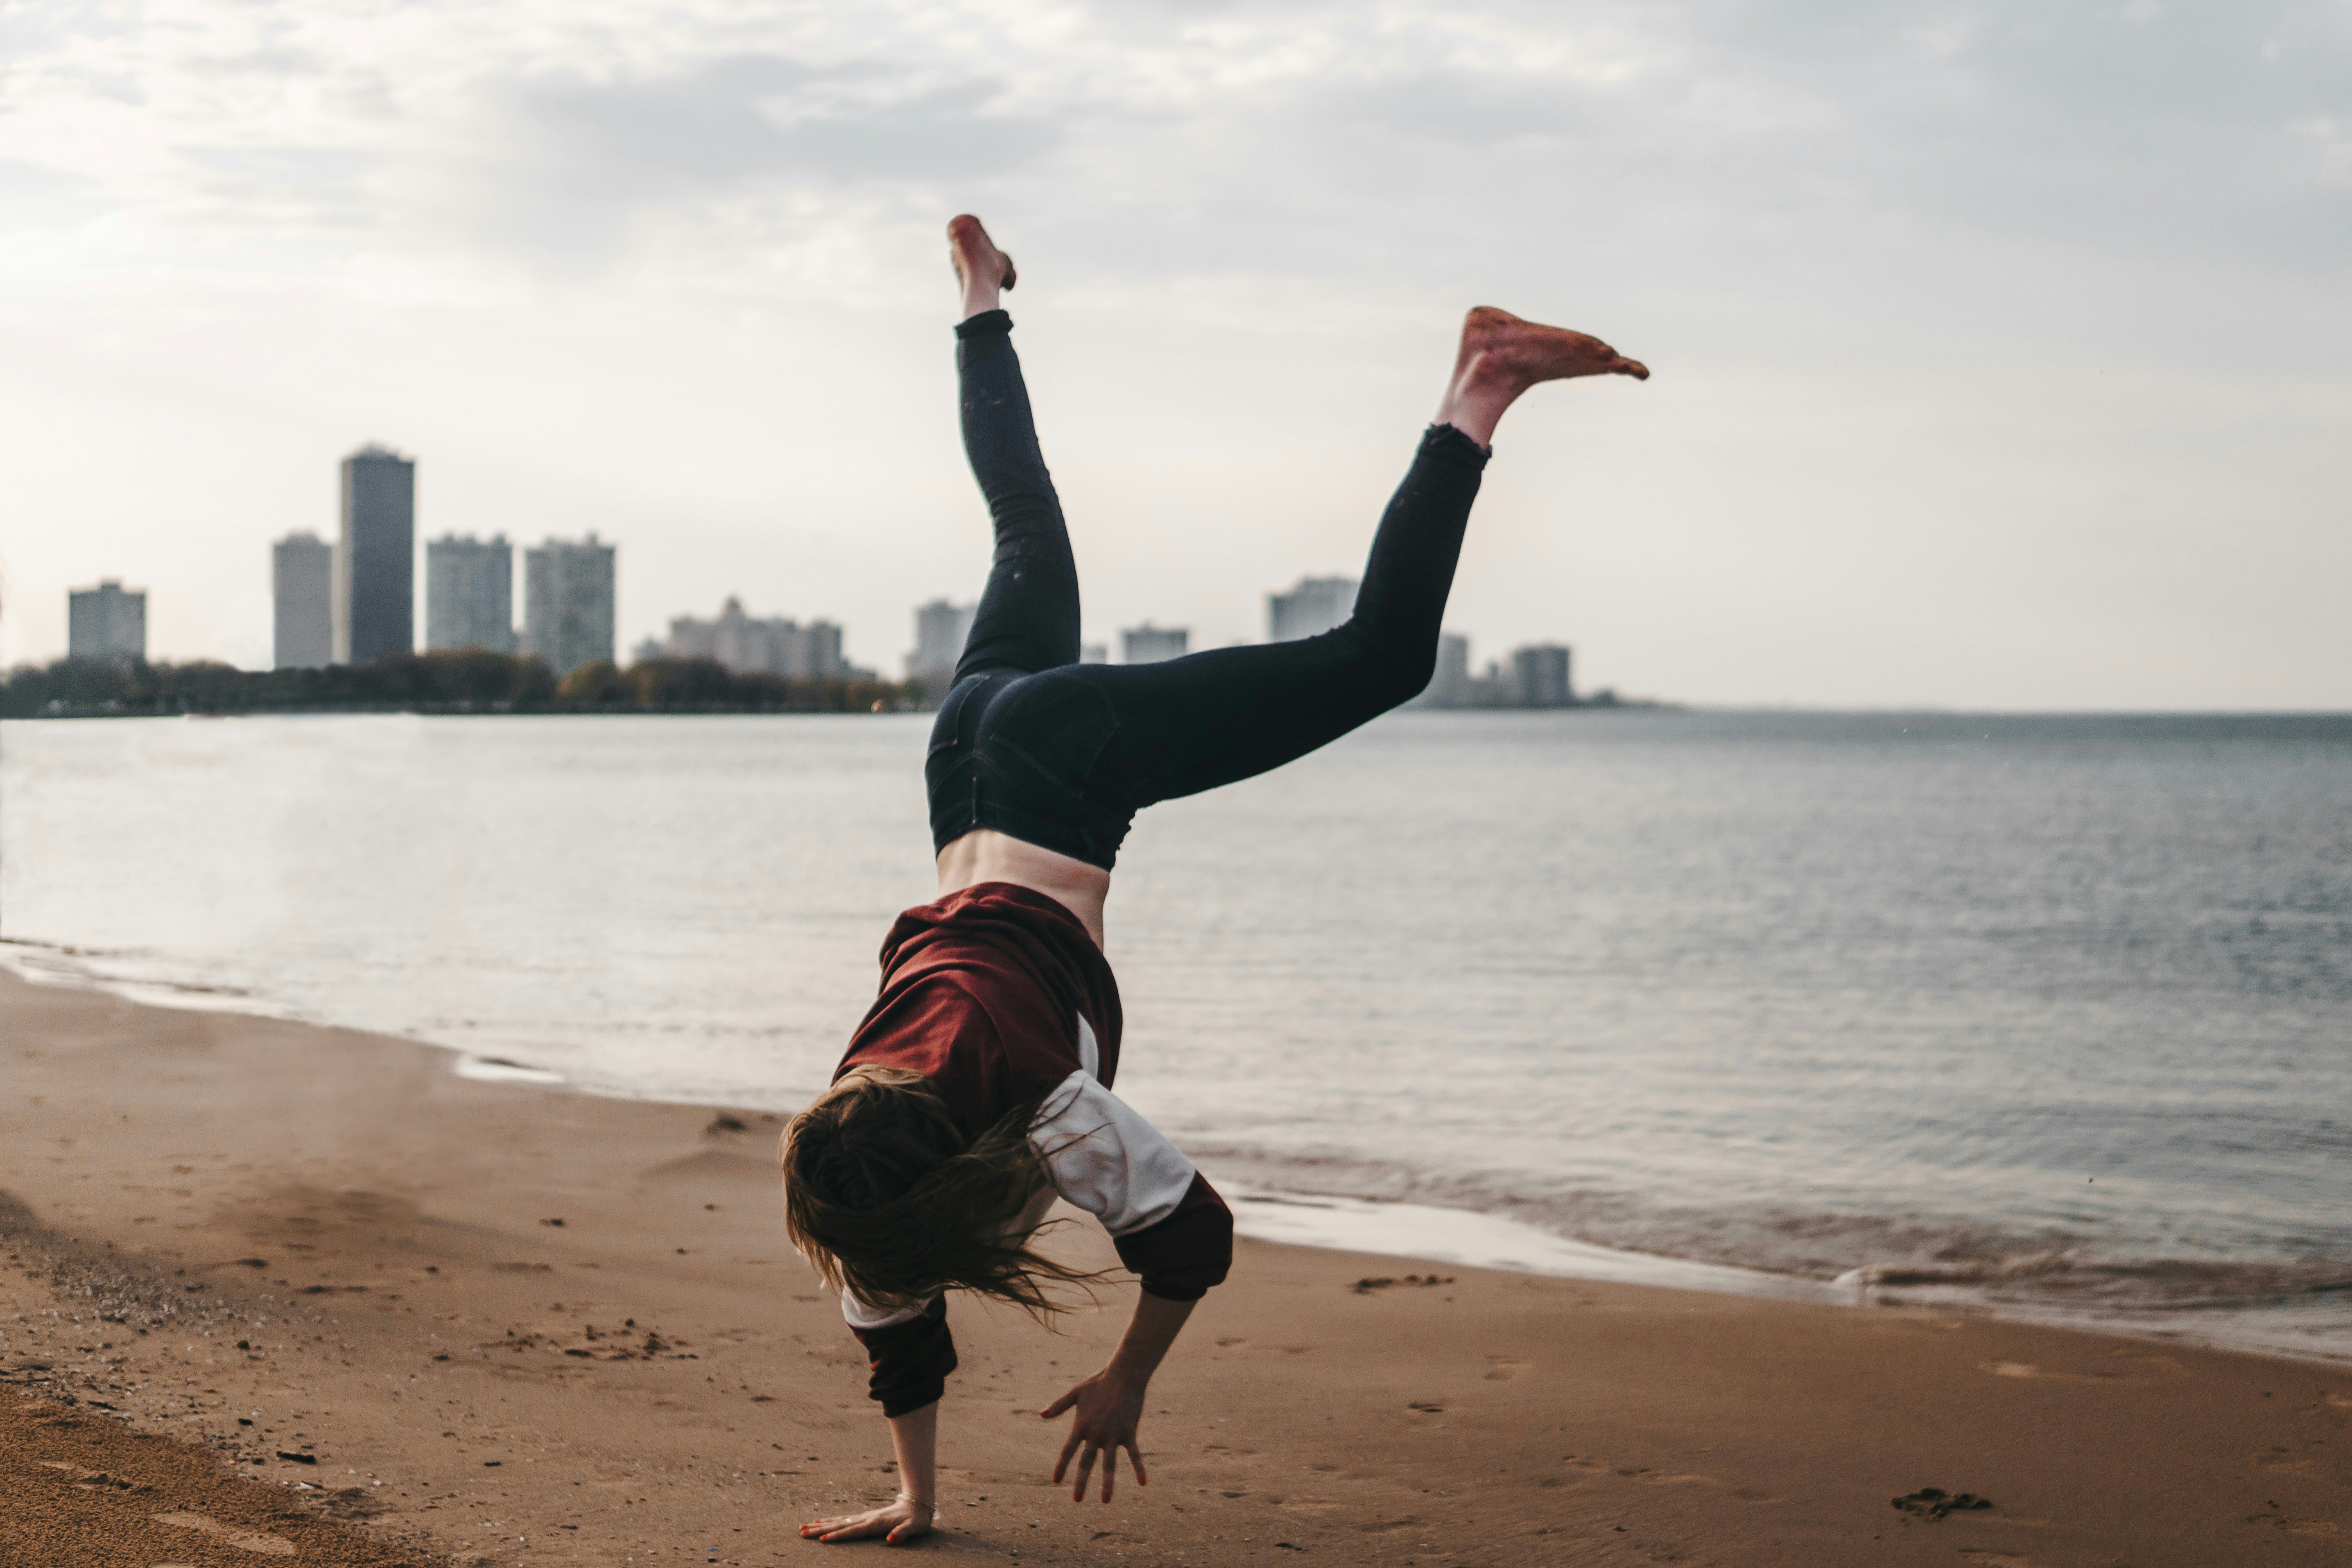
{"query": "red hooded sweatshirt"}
[(998, 996)]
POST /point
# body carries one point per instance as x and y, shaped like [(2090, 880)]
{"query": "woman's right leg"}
[(1028, 614), (1027, 618)]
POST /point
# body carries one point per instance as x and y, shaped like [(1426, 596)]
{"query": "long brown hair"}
[(888, 1199)]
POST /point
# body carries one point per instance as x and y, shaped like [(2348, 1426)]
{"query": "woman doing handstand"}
[(977, 1089)]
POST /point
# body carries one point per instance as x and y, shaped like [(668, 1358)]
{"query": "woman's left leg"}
[(1211, 718)]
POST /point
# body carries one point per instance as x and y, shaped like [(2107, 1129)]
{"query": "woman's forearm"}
[(916, 1438), (1152, 1330)]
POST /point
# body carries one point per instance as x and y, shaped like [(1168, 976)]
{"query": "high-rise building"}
[(1314, 607), (302, 593), (1148, 644), (107, 622), (469, 594), (1540, 676), (1094, 652), (567, 602), (941, 630), (749, 644), (375, 557)]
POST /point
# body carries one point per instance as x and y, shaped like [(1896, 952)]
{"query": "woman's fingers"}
[(1059, 1405), (1110, 1469), (1135, 1458), (848, 1526), (1069, 1449), (1085, 1468)]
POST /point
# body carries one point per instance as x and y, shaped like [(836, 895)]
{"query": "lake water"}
[(2051, 1015)]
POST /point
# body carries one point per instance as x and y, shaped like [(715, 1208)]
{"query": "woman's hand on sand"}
[(900, 1520), (1108, 1407)]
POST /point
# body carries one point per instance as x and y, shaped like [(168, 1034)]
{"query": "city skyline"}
[(1924, 427), (570, 590)]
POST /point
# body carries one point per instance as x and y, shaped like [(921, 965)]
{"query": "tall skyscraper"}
[(567, 602), (940, 631), (1148, 644), (1314, 607), (106, 622), (375, 558), (469, 594), (302, 587)]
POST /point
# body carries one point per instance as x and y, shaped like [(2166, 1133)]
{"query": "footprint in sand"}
[(1504, 1369), (2284, 1460), (2142, 1368), (244, 1539), (2032, 1370)]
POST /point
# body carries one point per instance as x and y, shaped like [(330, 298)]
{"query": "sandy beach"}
[(384, 1315)]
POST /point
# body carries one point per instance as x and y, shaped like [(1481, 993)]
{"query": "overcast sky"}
[(2001, 348)]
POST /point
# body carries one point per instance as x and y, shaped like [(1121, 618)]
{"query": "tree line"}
[(466, 680)]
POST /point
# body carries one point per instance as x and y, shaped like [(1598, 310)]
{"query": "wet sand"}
[(442, 1320)]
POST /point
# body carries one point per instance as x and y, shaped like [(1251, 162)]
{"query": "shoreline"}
[(657, 1378), (1380, 1227)]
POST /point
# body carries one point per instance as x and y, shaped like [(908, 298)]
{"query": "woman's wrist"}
[(1133, 1373)]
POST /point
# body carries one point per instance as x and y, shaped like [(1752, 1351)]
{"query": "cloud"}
[(588, 154), (1970, 201)]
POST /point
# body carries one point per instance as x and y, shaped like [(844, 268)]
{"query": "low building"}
[(107, 623), (302, 599), (750, 644), (1317, 605), (1536, 677), (1149, 644), (1450, 686)]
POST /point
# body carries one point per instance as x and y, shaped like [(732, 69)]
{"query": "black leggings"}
[(1037, 746)]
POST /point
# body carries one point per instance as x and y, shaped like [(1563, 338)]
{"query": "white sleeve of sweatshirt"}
[(1106, 1159)]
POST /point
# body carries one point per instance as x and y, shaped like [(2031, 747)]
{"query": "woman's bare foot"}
[(1503, 356), (982, 269)]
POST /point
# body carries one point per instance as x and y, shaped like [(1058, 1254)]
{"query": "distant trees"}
[(466, 680)]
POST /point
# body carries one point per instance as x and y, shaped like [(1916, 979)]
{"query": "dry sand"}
[(495, 1324)]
